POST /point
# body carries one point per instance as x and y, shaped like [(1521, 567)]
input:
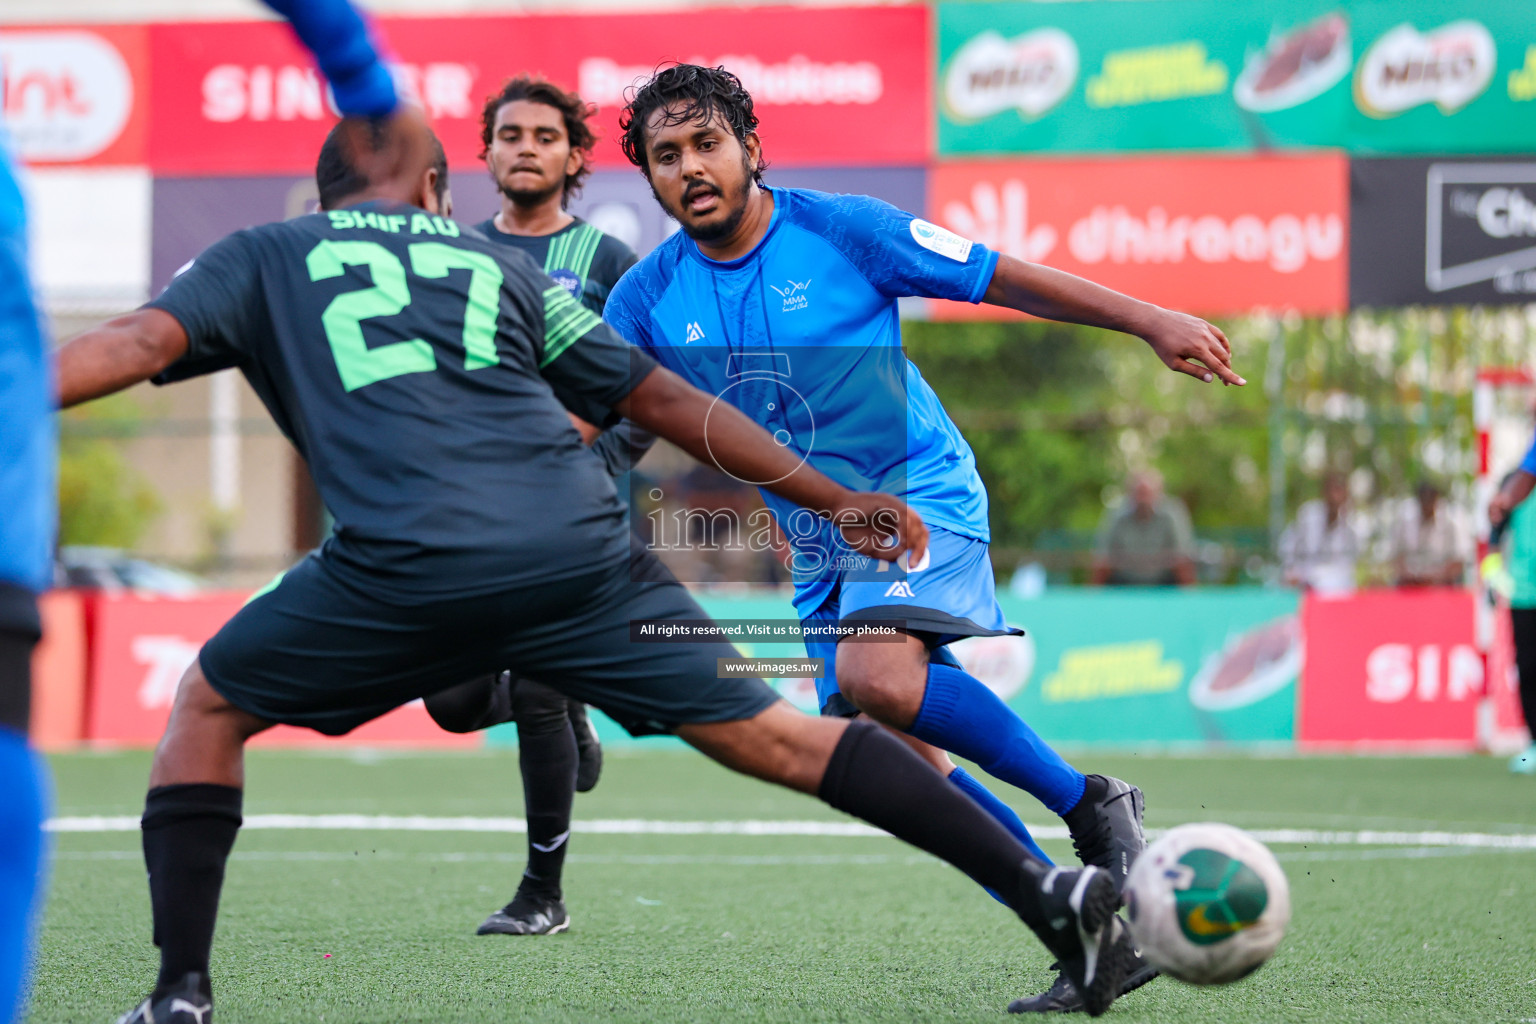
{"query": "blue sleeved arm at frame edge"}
[(1528, 464), (337, 35)]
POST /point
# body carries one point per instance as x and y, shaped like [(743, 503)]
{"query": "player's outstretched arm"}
[(1184, 343), (1515, 490), (717, 433), (118, 354)]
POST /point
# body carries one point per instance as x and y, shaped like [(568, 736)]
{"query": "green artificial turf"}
[(792, 929)]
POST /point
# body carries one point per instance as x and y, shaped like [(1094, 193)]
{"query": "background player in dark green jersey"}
[(537, 145), (427, 375)]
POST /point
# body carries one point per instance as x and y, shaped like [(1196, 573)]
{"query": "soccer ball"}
[(1207, 903)]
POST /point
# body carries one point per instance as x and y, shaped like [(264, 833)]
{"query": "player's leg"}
[(589, 749), (857, 767), (315, 651), (867, 772), (1523, 621), (191, 818), (472, 706), (927, 694), (23, 779), (819, 645), (546, 750)]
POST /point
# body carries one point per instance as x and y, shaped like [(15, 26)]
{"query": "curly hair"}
[(573, 109), (696, 95)]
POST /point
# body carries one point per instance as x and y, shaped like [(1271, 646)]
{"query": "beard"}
[(530, 197), (735, 205)]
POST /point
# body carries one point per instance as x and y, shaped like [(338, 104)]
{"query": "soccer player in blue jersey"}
[(26, 544), (783, 303)]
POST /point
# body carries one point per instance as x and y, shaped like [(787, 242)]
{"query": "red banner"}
[(1507, 727), (1210, 235), (832, 86), (140, 648), (58, 672), (1390, 668), (75, 94)]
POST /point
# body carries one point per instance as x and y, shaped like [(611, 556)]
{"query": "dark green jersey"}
[(588, 262), (424, 373)]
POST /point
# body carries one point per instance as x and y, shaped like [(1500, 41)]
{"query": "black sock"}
[(875, 776), (188, 832), (1081, 818), (547, 754)]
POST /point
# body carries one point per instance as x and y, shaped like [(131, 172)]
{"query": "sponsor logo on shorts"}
[(899, 589)]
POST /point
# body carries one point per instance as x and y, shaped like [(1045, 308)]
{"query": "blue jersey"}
[(26, 409), (1528, 464), (802, 334)]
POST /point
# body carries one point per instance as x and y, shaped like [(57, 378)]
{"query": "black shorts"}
[(19, 631), (319, 652)]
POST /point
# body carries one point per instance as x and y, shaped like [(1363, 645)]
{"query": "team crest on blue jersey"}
[(567, 280), (793, 294)]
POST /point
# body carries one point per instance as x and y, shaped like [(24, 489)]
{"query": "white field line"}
[(642, 826), (1333, 856)]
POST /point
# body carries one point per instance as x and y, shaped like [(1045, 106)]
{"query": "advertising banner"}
[(1506, 728), (1442, 231), (1126, 667), (1210, 235), (1390, 668), (191, 214), (141, 646), (1123, 667), (75, 94), (831, 85), (58, 672), (1384, 76)]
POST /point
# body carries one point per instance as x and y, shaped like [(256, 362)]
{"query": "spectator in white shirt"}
[(1430, 547), (1323, 545)]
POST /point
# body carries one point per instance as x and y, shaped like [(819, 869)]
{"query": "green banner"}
[(1110, 667), (1129, 667), (1370, 76)]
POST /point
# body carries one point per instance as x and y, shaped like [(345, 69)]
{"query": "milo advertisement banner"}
[(1116, 667), (1384, 76), (1129, 667)]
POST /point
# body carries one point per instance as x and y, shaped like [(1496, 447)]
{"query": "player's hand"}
[(1190, 345), (395, 158), (1498, 509), (880, 526)]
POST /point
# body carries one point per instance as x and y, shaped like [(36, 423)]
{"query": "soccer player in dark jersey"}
[(361, 84), (810, 281), (427, 376), (537, 145)]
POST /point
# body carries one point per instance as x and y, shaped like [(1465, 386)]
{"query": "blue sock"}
[(1006, 816), (960, 715), (23, 780)]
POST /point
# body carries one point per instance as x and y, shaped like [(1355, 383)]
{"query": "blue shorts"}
[(950, 596)]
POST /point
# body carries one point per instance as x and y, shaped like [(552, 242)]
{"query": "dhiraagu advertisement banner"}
[(1384, 76), (1109, 667)]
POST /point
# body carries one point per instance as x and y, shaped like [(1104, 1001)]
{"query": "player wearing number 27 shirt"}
[(302, 267)]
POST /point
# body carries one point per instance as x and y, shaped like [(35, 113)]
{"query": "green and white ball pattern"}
[(1207, 903)]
